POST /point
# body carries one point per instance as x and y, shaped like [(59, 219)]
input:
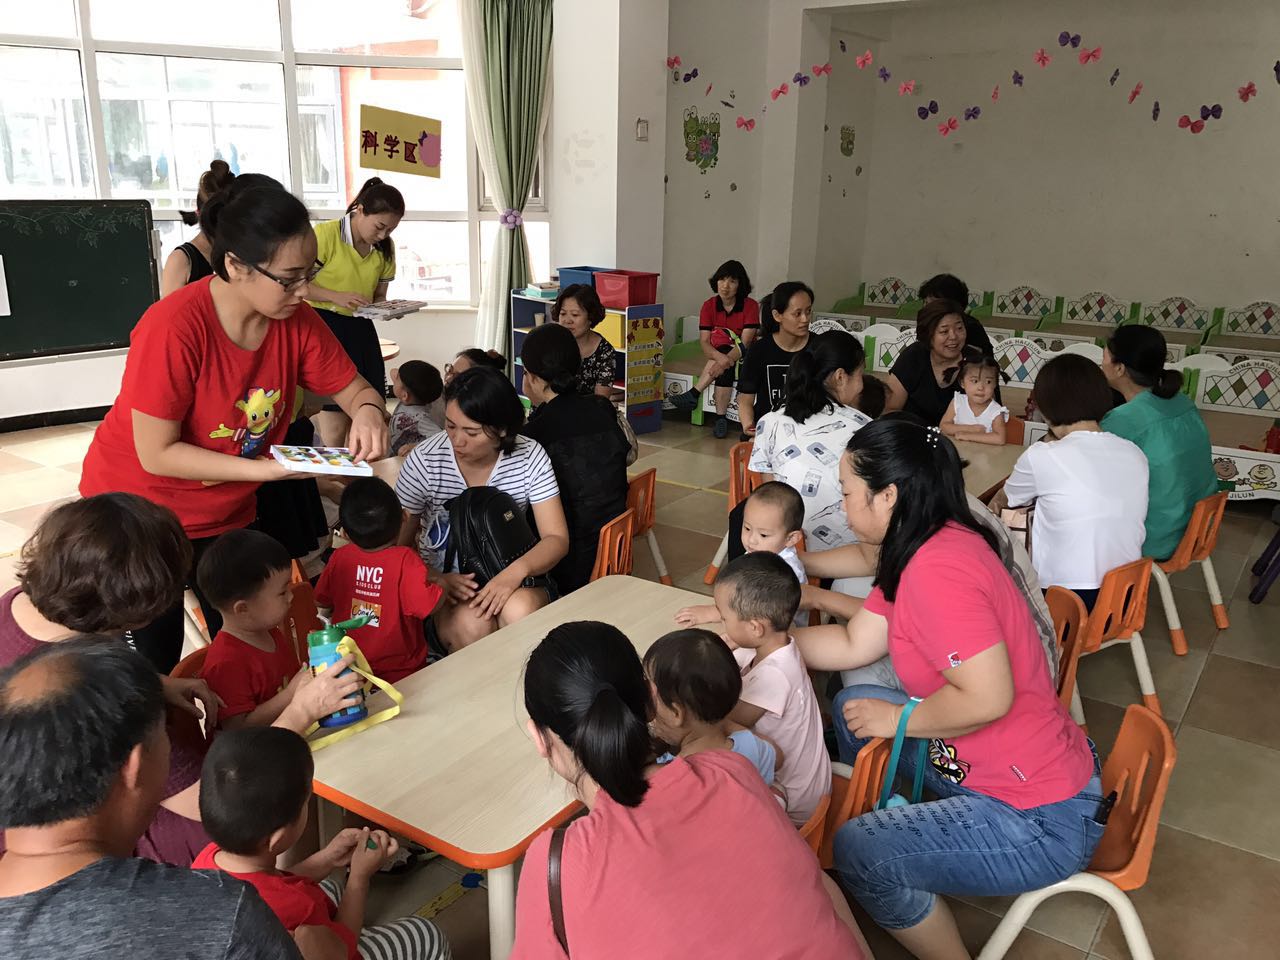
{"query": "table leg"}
[(329, 819), (502, 911)]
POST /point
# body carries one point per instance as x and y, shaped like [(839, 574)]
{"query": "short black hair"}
[(484, 358), (695, 670), (370, 513), (253, 225), (61, 749), (255, 780), (237, 564), (1071, 388), (487, 397), (551, 353), (586, 297), (764, 588), (734, 270), (872, 399), (783, 293), (422, 380), (946, 286), (786, 498)]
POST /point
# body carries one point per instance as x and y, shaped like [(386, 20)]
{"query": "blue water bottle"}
[(322, 647)]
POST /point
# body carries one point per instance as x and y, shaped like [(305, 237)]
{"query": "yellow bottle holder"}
[(361, 666)]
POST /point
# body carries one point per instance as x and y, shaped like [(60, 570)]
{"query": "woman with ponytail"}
[(358, 259), (1020, 801), (1166, 426), (662, 862), (190, 262), (583, 436)]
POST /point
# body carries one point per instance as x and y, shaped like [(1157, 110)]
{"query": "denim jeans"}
[(895, 861)]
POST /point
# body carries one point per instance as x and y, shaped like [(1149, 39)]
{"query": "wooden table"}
[(456, 771), (390, 349), (988, 467)]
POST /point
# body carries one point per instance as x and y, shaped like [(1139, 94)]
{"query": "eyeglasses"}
[(288, 285)]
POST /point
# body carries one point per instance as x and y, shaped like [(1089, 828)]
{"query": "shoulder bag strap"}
[(554, 892), (892, 769)]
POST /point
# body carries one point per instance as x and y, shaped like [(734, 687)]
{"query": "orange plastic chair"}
[(742, 481), (1015, 431), (1069, 616), (302, 618), (190, 666), (1196, 546), (1138, 770), (1119, 616), (613, 554), (812, 831), (641, 501), (183, 727), (854, 791)]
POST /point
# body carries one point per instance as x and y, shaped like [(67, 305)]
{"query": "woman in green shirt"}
[(1167, 427)]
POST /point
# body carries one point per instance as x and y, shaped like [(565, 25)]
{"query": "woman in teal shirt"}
[(1167, 427)]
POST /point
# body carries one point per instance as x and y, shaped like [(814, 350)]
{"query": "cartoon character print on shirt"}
[(942, 756), (259, 409)]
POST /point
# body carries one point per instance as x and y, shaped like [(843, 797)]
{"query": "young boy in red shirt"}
[(251, 665), (254, 790), (374, 577)]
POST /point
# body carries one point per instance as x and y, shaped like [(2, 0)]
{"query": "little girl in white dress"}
[(974, 415)]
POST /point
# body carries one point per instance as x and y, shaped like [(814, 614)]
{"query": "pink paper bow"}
[(820, 70), (1137, 89), (995, 94), (745, 124), (863, 61), (906, 87), (951, 123), (780, 91), (1185, 122), (1042, 58), (1248, 90), (673, 62), (1089, 56)]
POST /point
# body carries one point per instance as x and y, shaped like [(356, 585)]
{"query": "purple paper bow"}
[(923, 112), (800, 79), (843, 48), (883, 74), (972, 113), (1155, 111), (1215, 111), (1066, 37), (1115, 76), (691, 75), (511, 218), (1017, 79)]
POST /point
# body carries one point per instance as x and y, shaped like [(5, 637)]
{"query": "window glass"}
[(253, 24), (431, 262), (389, 28), (44, 132), (537, 234), (173, 233), (49, 18), (166, 118)]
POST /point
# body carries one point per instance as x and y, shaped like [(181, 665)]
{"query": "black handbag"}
[(487, 532)]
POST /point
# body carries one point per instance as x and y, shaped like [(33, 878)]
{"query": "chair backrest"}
[(641, 493), (190, 665), (1138, 770), (296, 573), (742, 481), (1121, 607), (854, 791), (1201, 535), (1069, 616), (1015, 431), (812, 831), (613, 553), (303, 618)]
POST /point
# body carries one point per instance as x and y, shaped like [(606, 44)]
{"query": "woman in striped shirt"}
[(482, 446)]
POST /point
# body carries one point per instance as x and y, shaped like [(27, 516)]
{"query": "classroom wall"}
[(1062, 184), (642, 94)]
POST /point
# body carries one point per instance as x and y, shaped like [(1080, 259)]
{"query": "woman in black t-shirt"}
[(762, 383), (923, 379)]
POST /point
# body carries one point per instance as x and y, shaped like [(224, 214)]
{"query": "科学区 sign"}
[(399, 142)]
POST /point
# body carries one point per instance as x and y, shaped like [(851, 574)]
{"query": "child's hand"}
[(372, 850), (458, 587), (695, 615), (339, 850)]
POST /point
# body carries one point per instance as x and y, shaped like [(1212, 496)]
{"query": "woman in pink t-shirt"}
[(667, 857), (1020, 800)]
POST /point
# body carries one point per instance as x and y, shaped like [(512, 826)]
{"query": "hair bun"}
[(219, 168)]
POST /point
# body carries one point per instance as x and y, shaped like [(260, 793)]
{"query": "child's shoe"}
[(686, 402), (721, 428)]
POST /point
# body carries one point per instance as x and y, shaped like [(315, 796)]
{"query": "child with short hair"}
[(872, 399), (757, 596), (975, 415), (373, 576), (417, 385), (251, 665), (696, 685), (772, 521), (255, 788)]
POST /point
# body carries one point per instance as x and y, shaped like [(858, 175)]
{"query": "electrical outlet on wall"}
[(642, 130)]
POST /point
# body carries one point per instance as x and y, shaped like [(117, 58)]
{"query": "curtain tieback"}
[(511, 218)]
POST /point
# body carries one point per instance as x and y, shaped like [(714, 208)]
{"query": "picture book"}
[(321, 460)]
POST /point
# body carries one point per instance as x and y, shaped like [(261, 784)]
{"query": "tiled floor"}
[(1215, 879)]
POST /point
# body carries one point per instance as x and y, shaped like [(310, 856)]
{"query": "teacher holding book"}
[(211, 373)]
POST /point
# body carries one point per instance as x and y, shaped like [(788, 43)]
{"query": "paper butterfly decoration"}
[(1248, 90), (1155, 111), (1066, 37), (1042, 58), (923, 112), (1115, 75), (1088, 56), (1017, 79), (673, 62), (995, 93), (820, 69), (800, 79), (779, 91), (948, 125), (972, 113), (1276, 68), (707, 93), (727, 104), (745, 124), (1215, 111), (1185, 122), (906, 87), (691, 75), (883, 74), (1137, 89), (843, 47), (864, 60)]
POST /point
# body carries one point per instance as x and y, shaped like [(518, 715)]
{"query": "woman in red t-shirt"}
[(210, 379), (1020, 800), (724, 838)]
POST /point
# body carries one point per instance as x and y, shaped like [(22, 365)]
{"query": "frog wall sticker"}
[(701, 139), (846, 140)]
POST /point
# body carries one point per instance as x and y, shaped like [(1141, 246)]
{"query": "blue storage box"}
[(587, 275)]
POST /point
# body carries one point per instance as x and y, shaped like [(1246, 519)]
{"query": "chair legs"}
[(1146, 683), (721, 552), (659, 564), (1215, 594), (1268, 569), (1020, 913), (1077, 709), (1177, 636)]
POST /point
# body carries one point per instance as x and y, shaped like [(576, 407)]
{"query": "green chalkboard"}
[(78, 274)]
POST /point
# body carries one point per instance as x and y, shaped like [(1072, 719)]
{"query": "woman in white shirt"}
[(1089, 487)]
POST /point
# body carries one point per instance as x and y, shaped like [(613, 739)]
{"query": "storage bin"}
[(571, 275), (626, 288)]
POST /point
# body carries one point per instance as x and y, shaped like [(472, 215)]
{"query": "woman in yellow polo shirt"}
[(359, 261)]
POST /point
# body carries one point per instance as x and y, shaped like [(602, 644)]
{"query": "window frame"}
[(479, 207)]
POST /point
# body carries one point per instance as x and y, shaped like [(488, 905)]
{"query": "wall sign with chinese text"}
[(399, 142)]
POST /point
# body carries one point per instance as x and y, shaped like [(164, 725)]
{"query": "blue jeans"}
[(895, 861)]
